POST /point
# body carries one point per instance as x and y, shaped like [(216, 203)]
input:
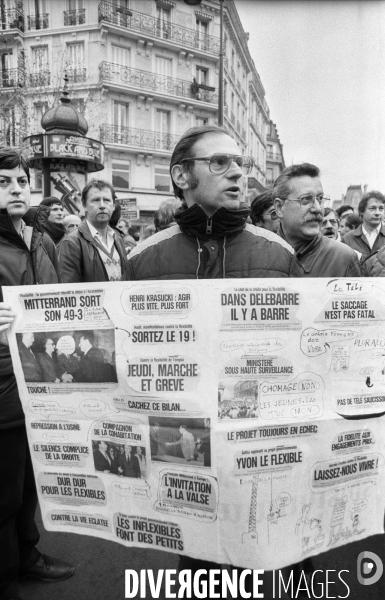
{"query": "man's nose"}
[(15, 187), (235, 170)]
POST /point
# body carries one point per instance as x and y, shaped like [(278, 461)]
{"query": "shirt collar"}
[(95, 233), (373, 233)]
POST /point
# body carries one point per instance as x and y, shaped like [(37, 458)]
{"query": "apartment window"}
[(75, 13), (121, 55), (163, 119), (200, 121), (163, 66), (75, 65), (269, 175), (163, 15), (162, 178), (40, 73), (121, 115), (120, 12), (202, 28), (202, 75), (121, 174)]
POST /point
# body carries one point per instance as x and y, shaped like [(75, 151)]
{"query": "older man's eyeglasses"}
[(308, 200), (220, 163)]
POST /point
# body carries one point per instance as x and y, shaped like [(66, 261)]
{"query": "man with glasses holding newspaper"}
[(299, 201), (211, 239)]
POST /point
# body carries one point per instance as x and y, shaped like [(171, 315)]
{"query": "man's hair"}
[(50, 201), (369, 196), (281, 184), (165, 213), (258, 206), (87, 335), (183, 149), (329, 210), (11, 158), (340, 211), (99, 184), (353, 221)]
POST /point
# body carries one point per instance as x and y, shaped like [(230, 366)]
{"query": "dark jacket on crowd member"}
[(48, 366), (323, 257), (374, 265), (356, 239), (80, 260), (21, 266), (202, 247), (56, 231), (30, 364)]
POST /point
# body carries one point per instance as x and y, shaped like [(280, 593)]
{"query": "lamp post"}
[(220, 75)]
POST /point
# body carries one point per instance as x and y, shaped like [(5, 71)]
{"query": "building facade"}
[(142, 72), (275, 162)]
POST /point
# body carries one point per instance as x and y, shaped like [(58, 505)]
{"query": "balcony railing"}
[(152, 27), (76, 75), (269, 181), (75, 17), (146, 80), (274, 156), (11, 18), (10, 78), (38, 21), (41, 79), (154, 140)]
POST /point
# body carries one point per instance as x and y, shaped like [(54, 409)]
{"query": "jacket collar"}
[(224, 222), (358, 232), (56, 231), (308, 254)]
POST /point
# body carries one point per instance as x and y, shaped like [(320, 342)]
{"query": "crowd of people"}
[(205, 233)]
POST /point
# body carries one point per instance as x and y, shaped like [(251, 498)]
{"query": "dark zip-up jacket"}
[(79, 257), (20, 265), (323, 257), (202, 247)]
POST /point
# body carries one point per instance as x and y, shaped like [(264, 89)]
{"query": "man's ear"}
[(180, 177), (278, 205)]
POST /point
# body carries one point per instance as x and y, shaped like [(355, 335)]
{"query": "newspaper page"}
[(239, 413)]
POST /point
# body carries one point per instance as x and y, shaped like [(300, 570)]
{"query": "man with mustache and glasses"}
[(210, 239), (299, 202), (27, 256)]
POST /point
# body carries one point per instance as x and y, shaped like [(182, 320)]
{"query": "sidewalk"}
[(100, 569)]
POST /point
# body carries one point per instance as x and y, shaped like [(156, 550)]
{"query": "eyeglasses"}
[(220, 163), (309, 200)]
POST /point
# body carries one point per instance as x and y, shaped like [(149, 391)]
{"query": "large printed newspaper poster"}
[(237, 421)]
